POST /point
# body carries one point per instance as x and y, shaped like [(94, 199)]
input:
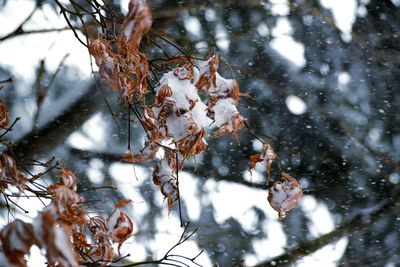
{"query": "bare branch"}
[(360, 222), (200, 173), (19, 29), (40, 142)]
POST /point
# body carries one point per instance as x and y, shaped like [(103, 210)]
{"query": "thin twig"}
[(64, 13), (177, 186), (9, 129), (19, 29)]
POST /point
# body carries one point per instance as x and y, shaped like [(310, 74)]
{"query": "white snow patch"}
[(224, 110), (34, 47), (321, 222), (268, 247), (285, 45), (188, 183), (280, 7), (192, 25), (36, 257), (290, 49), (125, 175), (262, 29), (343, 80), (296, 105), (222, 37), (238, 197), (94, 171), (344, 14), (93, 136), (282, 27)]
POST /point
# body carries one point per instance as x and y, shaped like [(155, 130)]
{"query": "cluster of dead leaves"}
[(9, 174), (178, 118), (121, 64), (63, 221), (177, 122), (63, 229)]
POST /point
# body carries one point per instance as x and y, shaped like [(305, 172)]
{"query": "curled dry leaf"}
[(284, 196), (79, 237), (66, 201), (68, 179), (163, 176), (164, 92), (55, 239), (234, 124), (138, 66), (208, 74), (151, 125), (186, 72), (147, 154), (102, 249), (107, 62), (98, 224), (4, 119), (9, 174), (193, 144), (17, 238), (119, 224), (136, 23), (267, 155), (67, 205), (118, 67)]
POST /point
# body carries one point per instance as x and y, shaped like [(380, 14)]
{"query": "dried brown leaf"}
[(284, 196), (4, 119)]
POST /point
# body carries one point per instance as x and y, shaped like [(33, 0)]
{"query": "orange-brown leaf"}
[(267, 154), (9, 174), (193, 144), (68, 178), (236, 123), (284, 196), (136, 23), (119, 224), (165, 91), (4, 119), (17, 238)]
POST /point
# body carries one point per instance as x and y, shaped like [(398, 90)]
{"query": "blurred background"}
[(324, 89)]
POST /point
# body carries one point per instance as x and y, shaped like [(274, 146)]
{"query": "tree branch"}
[(201, 173), (25, 32), (360, 222), (40, 142), (19, 29)]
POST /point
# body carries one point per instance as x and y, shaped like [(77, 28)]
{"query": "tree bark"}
[(39, 143)]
